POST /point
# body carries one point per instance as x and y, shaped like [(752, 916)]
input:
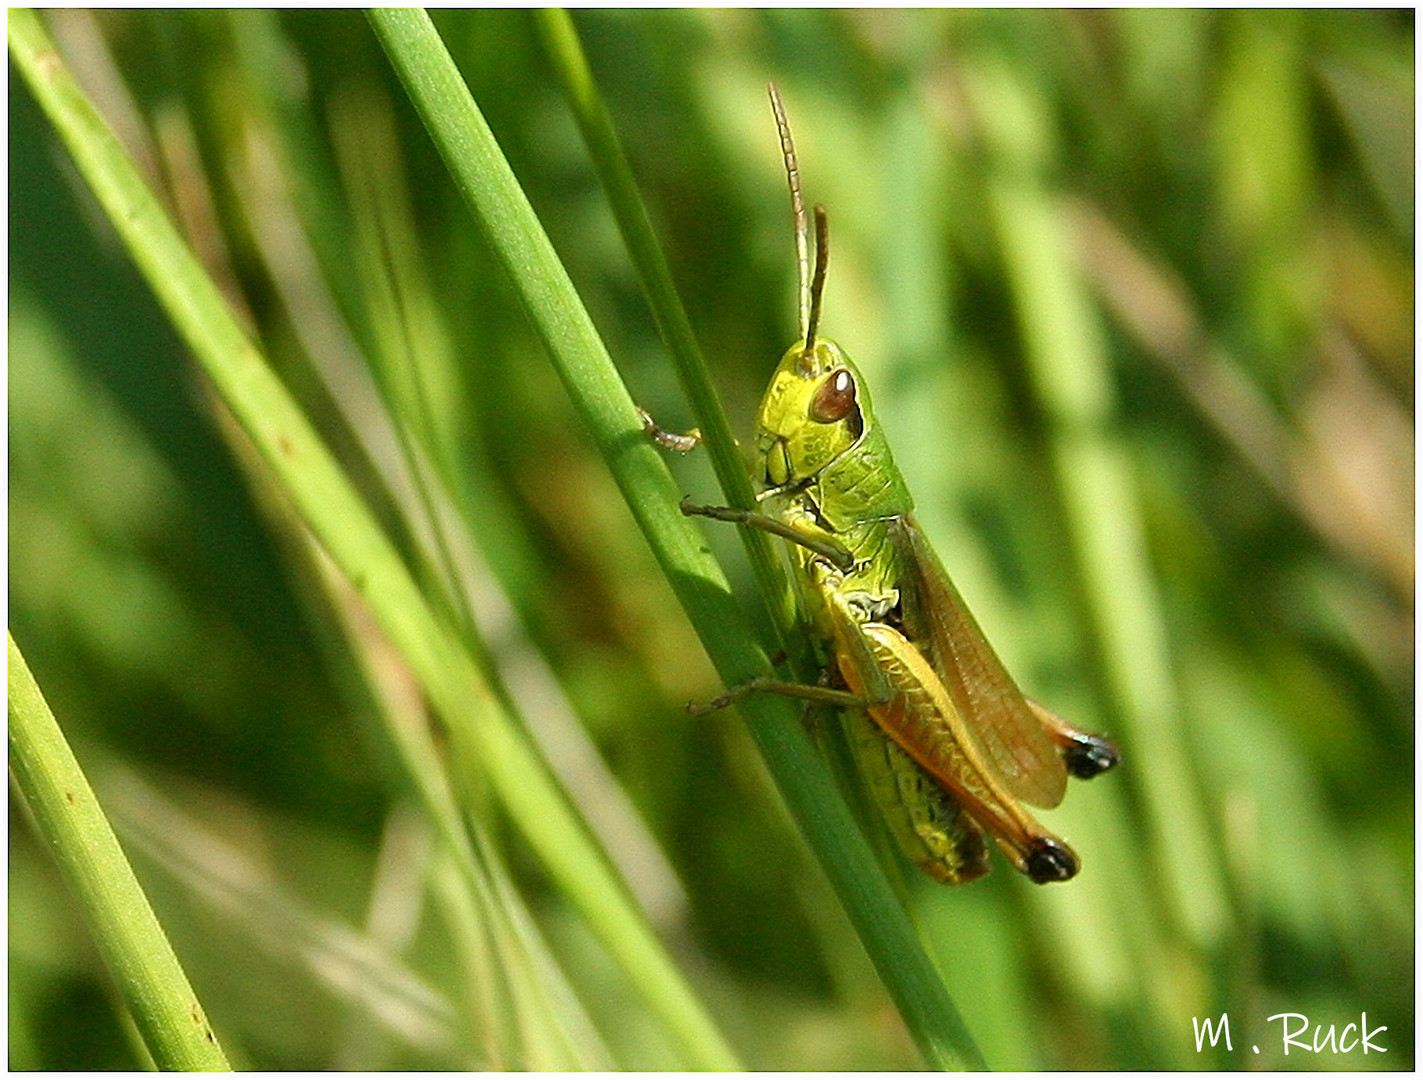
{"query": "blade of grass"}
[(54, 789), (275, 922), (484, 178), (345, 527), (486, 916), (413, 349), (571, 66)]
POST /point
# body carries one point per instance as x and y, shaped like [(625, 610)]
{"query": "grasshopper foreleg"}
[(830, 550)]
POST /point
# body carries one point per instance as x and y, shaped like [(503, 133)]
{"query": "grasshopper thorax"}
[(817, 435)]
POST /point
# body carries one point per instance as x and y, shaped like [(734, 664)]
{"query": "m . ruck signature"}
[(1294, 1028)]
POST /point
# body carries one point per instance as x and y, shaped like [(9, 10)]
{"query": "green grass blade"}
[(54, 789), (1208, 211), (346, 529), (483, 176), (571, 65)]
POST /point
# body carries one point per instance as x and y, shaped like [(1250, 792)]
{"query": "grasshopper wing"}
[(997, 716)]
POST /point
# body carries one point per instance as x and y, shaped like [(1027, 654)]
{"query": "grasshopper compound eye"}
[(835, 399)]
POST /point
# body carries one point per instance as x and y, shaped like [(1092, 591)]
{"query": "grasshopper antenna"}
[(817, 283), (802, 238)]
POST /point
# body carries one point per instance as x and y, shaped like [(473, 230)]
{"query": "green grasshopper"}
[(944, 740)]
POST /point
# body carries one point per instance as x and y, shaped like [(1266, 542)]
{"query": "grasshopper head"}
[(816, 425), (811, 414)]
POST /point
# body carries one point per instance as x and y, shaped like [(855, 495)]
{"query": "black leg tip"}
[(1051, 860), (1090, 755)]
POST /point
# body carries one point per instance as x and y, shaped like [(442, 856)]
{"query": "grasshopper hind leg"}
[(1085, 754), (1088, 755), (1050, 860), (926, 822)]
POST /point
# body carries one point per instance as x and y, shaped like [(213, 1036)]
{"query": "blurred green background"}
[(1209, 214)]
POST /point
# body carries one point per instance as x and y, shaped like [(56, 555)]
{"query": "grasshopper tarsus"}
[(693, 510), (731, 697), (769, 684), (668, 440), (719, 513)]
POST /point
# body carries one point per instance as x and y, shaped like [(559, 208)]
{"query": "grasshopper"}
[(945, 742)]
